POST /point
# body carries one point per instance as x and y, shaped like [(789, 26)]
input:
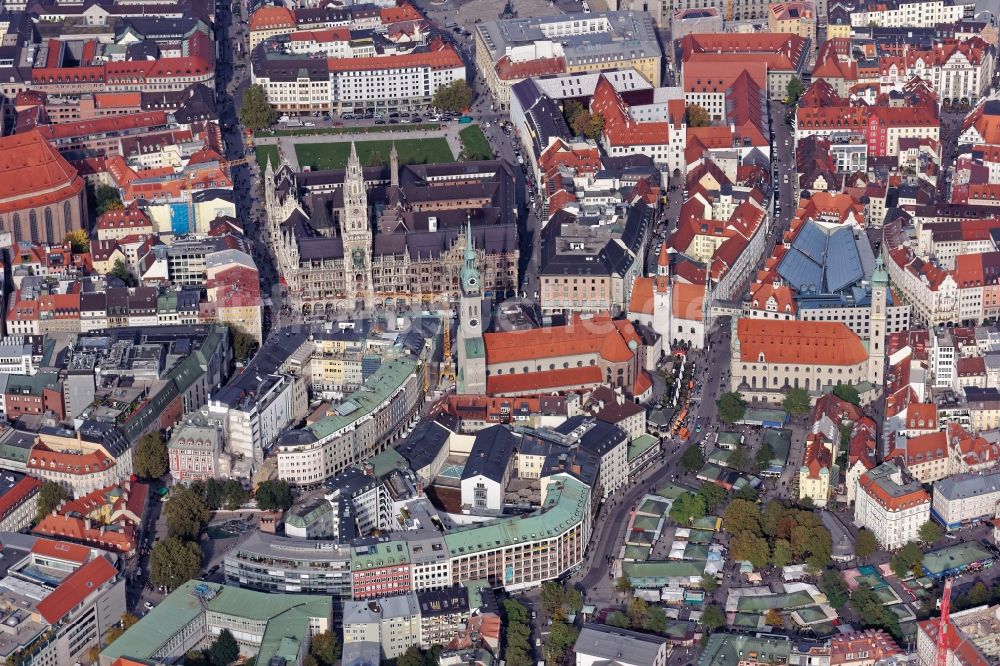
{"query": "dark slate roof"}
[(491, 454), (320, 247), (599, 438), (424, 444), (448, 601)]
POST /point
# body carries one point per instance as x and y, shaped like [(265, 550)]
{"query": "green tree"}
[(847, 393), (455, 96), (234, 494), (617, 619), (186, 513), (656, 620), (224, 649), (930, 532), (588, 124), (636, 611), (749, 546), (78, 241), (741, 516), (697, 116), (412, 657), (764, 457), (748, 493), (573, 600), (686, 508), (119, 271), (774, 512), (873, 614), (173, 562), (244, 344), (50, 496), (781, 553), (518, 656), (713, 495), (732, 408), (709, 583), (834, 588), (561, 637), (104, 198), (866, 544), (151, 459), (794, 90), (433, 655), (570, 109), (515, 611), (256, 112), (623, 585), (273, 495), (552, 597), (773, 618), (326, 648), (978, 595), (907, 560), (738, 458), (713, 617), (691, 459), (213, 494), (796, 401)]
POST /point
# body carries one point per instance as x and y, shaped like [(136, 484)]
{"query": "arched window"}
[(67, 217), (33, 226), (50, 235), (15, 226)]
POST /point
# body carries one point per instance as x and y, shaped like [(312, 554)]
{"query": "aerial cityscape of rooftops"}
[(523, 333)]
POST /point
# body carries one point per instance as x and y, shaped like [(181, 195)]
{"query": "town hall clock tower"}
[(356, 233)]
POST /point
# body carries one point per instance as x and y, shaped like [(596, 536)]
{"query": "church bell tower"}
[(471, 349)]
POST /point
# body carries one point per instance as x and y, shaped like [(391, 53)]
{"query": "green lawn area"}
[(263, 152), (475, 144), (365, 129), (372, 153)]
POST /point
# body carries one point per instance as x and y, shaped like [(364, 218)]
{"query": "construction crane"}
[(448, 368), (943, 625)]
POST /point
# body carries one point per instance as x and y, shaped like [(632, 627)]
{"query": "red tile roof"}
[(444, 56), (75, 588), (61, 550), (799, 342), (33, 173), (922, 449), (508, 70), (597, 335), (399, 14), (547, 380), (268, 17), (22, 490), (641, 301)]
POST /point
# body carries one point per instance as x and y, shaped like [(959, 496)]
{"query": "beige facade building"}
[(797, 17)]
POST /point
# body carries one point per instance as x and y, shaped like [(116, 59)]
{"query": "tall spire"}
[(470, 248), (393, 167), (663, 269), (353, 159)]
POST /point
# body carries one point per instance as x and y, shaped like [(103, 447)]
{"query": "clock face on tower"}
[(356, 215)]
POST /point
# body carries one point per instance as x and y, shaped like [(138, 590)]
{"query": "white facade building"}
[(890, 506), (964, 498)]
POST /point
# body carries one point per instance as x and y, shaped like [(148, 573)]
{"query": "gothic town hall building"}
[(391, 236)]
